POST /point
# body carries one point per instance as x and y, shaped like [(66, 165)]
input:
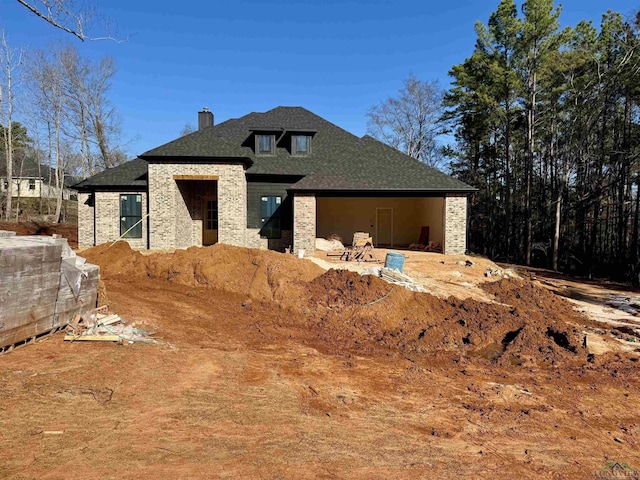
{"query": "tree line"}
[(545, 122), (55, 110)]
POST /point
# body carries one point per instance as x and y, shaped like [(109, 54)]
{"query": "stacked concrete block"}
[(37, 292), (78, 290)]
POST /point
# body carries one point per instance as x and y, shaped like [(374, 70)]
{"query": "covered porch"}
[(392, 219), (199, 197)]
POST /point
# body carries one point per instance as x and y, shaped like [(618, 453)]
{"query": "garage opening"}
[(391, 221)]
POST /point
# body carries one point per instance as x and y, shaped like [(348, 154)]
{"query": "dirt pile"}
[(366, 314), (115, 260), (260, 275), (67, 230), (341, 311), (341, 288)]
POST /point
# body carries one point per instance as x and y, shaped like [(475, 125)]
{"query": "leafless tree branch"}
[(56, 13)]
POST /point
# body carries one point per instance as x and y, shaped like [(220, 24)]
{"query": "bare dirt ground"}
[(269, 367)]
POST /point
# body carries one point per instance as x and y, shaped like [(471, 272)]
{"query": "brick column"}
[(85, 220), (304, 223), (455, 225)]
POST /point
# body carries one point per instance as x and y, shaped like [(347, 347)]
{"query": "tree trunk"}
[(8, 143), (635, 243), (531, 118), (56, 218)]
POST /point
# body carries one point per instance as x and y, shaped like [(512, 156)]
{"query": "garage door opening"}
[(391, 221)]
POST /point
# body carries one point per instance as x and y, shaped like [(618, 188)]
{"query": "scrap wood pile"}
[(361, 249), (100, 326)]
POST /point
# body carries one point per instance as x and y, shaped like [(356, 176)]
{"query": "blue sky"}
[(337, 58)]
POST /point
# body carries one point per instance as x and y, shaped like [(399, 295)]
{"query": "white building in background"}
[(32, 181)]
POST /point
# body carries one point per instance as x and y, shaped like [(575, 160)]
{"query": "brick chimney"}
[(205, 118)]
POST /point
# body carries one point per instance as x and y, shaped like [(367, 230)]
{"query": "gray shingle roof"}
[(130, 174), (338, 160), (28, 168)]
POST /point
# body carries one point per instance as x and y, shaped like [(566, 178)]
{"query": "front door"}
[(384, 227), (210, 223)]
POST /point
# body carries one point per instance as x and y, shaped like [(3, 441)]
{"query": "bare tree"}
[(47, 80), (72, 97), (88, 109), (10, 59), (187, 129), (410, 122), (62, 14)]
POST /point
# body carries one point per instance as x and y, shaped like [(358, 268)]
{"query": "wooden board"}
[(196, 177), (92, 338)]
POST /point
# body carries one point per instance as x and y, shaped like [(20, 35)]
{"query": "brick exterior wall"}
[(304, 223), (107, 218), (171, 223), (85, 220), (455, 225)]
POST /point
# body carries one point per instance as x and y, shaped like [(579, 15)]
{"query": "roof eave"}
[(110, 188), (467, 191)]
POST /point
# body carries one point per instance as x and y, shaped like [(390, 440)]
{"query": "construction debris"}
[(93, 338), (98, 326), (465, 263), (493, 272), (396, 278), (361, 249), (328, 245)]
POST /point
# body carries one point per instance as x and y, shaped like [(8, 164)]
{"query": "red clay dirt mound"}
[(67, 230), (366, 314), (342, 311), (340, 288), (115, 259), (261, 275)]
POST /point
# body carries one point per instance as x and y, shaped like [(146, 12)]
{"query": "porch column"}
[(304, 223), (455, 225), (86, 224)]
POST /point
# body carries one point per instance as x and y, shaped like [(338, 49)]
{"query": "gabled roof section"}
[(129, 174)]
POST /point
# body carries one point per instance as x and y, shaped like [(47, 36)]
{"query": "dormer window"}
[(265, 144), (301, 144)]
